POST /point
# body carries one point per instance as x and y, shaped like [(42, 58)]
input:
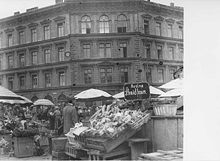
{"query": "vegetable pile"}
[(110, 120)]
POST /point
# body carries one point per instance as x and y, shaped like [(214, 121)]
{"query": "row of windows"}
[(86, 27), (107, 73), (160, 75), (106, 76), (160, 52), (34, 57), (105, 51), (34, 34), (35, 80)]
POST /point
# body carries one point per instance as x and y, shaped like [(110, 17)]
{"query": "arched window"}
[(49, 97), (122, 23), (104, 24), (34, 98), (86, 25), (62, 98)]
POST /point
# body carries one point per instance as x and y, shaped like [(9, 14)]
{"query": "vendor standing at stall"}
[(70, 116)]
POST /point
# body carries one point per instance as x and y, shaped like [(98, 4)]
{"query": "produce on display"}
[(110, 120)]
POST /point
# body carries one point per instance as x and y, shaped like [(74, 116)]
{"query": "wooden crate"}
[(59, 156), (122, 152), (74, 152), (172, 155), (23, 146), (108, 144), (58, 144)]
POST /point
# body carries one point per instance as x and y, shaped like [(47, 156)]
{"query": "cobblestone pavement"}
[(35, 158)]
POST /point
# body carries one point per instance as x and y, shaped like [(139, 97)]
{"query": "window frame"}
[(124, 78), (48, 85), (122, 23), (107, 50), (10, 41), (21, 37), (146, 23), (88, 75), (149, 77), (10, 65), (62, 84), (11, 80), (86, 48), (160, 53), (61, 53), (170, 28), (123, 49), (20, 82), (62, 33), (171, 54), (21, 64), (47, 54), (34, 79), (34, 34), (147, 50), (46, 32), (180, 32), (104, 24), (158, 28), (158, 76), (86, 25), (108, 78), (32, 57)]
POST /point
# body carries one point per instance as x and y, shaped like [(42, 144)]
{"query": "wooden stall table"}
[(23, 146), (138, 146)]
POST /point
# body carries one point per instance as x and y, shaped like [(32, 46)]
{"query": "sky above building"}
[(8, 7)]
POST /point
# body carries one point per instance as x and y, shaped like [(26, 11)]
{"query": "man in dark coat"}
[(70, 116)]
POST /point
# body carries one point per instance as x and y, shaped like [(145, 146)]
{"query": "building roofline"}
[(37, 10), (176, 8), (32, 12)]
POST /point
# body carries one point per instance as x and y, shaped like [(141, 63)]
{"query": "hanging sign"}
[(134, 91)]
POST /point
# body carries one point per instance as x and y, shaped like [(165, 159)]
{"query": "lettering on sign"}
[(136, 91)]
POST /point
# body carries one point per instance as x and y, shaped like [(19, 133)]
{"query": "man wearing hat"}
[(70, 116)]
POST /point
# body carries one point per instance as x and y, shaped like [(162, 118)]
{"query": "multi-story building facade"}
[(60, 50)]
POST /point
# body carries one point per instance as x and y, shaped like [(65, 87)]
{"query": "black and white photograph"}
[(105, 80)]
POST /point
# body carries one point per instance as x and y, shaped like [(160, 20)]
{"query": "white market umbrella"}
[(7, 94), (173, 93), (176, 83), (43, 102), (153, 90), (13, 101), (89, 94)]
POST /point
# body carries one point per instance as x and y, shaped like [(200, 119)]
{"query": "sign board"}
[(134, 91)]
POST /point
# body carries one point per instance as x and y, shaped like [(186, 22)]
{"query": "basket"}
[(165, 110), (72, 141), (137, 124)]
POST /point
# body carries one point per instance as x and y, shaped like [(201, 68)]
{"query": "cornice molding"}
[(46, 21), (170, 20), (32, 25), (180, 22), (147, 16), (59, 18), (9, 30), (20, 27), (159, 18)]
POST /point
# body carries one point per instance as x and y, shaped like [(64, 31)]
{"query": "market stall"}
[(109, 131)]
